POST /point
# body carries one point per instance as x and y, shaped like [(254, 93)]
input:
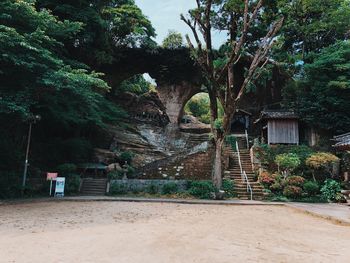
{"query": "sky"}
[(165, 16)]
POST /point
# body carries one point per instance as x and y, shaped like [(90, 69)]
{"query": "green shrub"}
[(311, 188), (287, 162), (322, 161), (229, 188), (152, 189), (202, 189), (126, 156), (295, 181), (115, 175), (279, 198), (267, 154), (292, 191), (170, 188), (72, 183), (117, 189), (276, 187), (130, 171), (331, 190)]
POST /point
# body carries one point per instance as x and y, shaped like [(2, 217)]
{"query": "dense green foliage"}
[(170, 188), (229, 187), (307, 172), (331, 190), (107, 24), (322, 97), (202, 189), (267, 155), (45, 72), (287, 162), (311, 188), (37, 78), (311, 25), (194, 189)]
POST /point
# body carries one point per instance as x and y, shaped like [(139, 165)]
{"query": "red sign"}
[(51, 176)]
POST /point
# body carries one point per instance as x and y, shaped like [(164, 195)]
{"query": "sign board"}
[(51, 176), (59, 191)]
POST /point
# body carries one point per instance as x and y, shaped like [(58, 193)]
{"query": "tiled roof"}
[(342, 141), (278, 115)]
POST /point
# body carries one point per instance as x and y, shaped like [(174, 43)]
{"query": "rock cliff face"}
[(153, 133)]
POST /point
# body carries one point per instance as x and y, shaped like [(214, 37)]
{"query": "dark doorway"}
[(240, 122)]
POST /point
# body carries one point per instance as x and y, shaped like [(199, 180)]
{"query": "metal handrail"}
[(249, 188), (239, 157), (243, 173), (247, 139)]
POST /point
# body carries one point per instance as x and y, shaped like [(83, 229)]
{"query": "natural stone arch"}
[(175, 73), (174, 98), (178, 78)]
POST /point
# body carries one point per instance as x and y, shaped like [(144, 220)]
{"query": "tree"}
[(106, 24), (311, 25), (239, 19), (287, 162), (322, 161), (173, 40), (37, 78), (321, 97)]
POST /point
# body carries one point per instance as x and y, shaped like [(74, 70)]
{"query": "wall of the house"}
[(283, 132)]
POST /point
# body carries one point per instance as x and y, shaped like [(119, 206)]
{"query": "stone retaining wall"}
[(142, 185), (197, 166)]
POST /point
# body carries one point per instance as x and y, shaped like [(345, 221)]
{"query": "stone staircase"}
[(92, 186), (234, 173)]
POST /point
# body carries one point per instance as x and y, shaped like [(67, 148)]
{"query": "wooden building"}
[(279, 127)]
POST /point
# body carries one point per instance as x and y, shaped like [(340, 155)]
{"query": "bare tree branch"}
[(193, 28), (236, 49), (260, 55)]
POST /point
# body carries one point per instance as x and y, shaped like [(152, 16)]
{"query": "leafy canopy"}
[(322, 96), (311, 25), (36, 77), (107, 24)]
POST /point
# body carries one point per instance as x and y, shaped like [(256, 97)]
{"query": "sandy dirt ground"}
[(141, 232)]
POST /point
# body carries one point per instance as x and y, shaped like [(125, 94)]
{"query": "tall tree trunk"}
[(217, 171)]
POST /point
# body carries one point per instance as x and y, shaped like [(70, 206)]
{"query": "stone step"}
[(245, 193), (252, 184), (90, 193), (238, 171), (255, 186), (85, 187), (238, 175), (94, 186)]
